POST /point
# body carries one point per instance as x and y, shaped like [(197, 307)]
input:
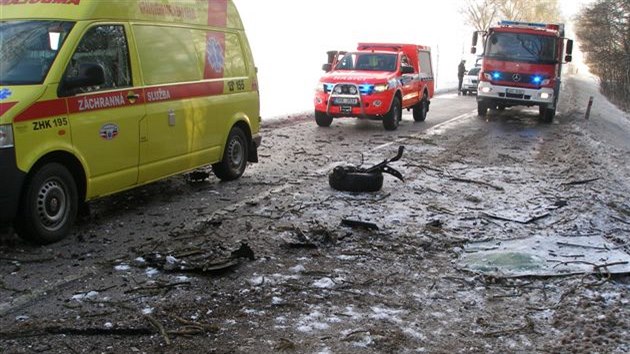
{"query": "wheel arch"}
[(242, 122), (70, 162)]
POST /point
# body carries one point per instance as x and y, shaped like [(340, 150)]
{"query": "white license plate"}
[(515, 91), (345, 101)]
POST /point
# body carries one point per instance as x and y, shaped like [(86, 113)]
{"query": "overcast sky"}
[(290, 38)]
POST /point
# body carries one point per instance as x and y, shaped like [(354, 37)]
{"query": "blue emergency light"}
[(517, 23)]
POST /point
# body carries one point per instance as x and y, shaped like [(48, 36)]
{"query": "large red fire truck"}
[(377, 81), (522, 66)]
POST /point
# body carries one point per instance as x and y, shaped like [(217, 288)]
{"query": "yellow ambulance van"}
[(97, 97)]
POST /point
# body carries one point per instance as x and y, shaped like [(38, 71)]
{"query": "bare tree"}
[(603, 29), (480, 13)]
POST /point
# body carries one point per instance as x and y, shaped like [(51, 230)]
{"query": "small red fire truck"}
[(377, 81), (522, 66)]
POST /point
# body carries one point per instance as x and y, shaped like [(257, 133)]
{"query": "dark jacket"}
[(461, 69)]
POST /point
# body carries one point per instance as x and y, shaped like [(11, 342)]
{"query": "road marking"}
[(428, 131), (397, 141)]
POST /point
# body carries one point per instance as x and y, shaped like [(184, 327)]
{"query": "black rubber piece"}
[(348, 179)]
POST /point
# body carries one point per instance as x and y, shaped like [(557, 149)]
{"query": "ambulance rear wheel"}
[(393, 117), (49, 205), (234, 157), (322, 119)]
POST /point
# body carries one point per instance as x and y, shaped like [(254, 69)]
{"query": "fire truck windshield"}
[(368, 62), (521, 47)]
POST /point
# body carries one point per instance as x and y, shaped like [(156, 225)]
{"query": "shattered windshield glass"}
[(521, 47), (368, 62), (28, 49)]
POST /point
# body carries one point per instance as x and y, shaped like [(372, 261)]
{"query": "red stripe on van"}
[(109, 100), (42, 110), (5, 107), (217, 13), (179, 92)]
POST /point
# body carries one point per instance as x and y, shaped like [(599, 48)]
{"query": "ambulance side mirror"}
[(90, 74)]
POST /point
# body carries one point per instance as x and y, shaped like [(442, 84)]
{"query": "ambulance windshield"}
[(368, 62), (28, 49), (521, 47)]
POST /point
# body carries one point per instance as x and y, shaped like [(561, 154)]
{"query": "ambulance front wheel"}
[(234, 161), (49, 205)]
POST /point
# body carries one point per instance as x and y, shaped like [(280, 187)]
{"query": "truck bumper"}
[(370, 106), (11, 180), (515, 96)]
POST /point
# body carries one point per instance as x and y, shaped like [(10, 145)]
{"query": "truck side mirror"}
[(475, 37), (473, 50), (407, 70), (327, 67), (569, 47), (568, 58)]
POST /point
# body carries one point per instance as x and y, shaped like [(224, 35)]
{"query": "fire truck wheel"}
[(322, 119), (346, 180), (482, 109), (546, 114), (393, 117), (420, 110), (235, 155), (49, 205)]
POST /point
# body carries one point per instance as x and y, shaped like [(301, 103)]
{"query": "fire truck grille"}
[(346, 89)]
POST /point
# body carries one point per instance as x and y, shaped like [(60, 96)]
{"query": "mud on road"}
[(264, 265)]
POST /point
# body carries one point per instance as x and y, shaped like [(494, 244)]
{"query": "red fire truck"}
[(377, 81), (522, 66)]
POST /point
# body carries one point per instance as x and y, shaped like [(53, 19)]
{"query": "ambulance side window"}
[(105, 46)]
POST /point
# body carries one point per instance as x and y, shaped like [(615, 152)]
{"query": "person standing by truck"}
[(461, 70)]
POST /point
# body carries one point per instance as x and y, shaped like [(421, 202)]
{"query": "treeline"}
[(603, 29), (481, 14)]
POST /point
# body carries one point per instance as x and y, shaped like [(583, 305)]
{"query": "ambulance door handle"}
[(133, 97)]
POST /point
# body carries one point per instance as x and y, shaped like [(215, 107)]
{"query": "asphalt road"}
[(155, 269)]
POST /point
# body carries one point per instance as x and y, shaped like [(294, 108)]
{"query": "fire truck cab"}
[(522, 66), (377, 81)]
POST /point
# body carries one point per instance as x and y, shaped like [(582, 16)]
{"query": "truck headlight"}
[(381, 87), (6, 136)]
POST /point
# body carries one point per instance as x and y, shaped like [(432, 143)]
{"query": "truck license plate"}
[(346, 109), (346, 101), (515, 91)]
